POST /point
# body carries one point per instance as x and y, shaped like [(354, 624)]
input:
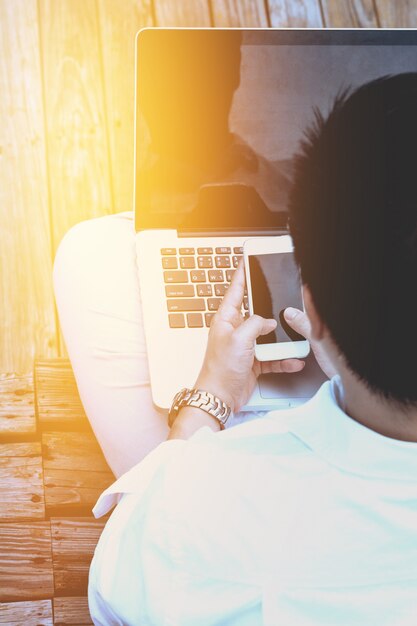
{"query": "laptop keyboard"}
[(196, 280)]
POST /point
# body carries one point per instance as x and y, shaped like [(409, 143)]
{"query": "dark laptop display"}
[(221, 112)]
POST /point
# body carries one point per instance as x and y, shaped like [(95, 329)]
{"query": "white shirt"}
[(301, 518)]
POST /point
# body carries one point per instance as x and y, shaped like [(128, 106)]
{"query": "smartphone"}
[(273, 283)]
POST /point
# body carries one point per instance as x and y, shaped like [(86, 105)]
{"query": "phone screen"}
[(275, 283)]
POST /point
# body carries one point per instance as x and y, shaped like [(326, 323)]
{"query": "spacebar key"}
[(186, 304)]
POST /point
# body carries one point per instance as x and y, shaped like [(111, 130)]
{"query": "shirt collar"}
[(324, 427)]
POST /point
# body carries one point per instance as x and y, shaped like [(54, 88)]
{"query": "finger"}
[(288, 366), (298, 321), (234, 294), (252, 328)]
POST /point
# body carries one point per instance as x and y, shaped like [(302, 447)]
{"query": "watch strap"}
[(201, 399)]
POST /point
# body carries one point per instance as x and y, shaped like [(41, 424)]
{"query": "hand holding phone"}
[(230, 369), (273, 284)]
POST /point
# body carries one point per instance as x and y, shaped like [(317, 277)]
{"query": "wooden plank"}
[(78, 154), (17, 406), (395, 14), (35, 613), (119, 23), (295, 13), (73, 451), (184, 13), (57, 397), (73, 489), (246, 13), (27, 321), (21, 482), (72, 611), (354, 13), (75, 470), (25, 561), (73, 544)]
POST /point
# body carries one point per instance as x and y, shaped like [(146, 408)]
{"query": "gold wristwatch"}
[(201, 399)]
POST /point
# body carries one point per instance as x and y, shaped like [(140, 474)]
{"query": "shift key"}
[(186, 304)]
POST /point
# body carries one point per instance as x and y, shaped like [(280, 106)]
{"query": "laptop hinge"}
[(225, 232), (237, 207)]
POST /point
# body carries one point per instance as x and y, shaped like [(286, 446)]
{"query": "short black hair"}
[(353, 219)]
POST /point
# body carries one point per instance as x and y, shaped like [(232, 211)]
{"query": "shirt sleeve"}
[(133, 559)]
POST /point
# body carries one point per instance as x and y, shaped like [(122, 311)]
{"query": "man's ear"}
[(318, 329)]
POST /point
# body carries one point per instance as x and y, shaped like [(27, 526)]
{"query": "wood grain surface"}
[(246, 13), (58, 401), (71, 611), (26, 561), (119, 22), (295, 13), (17, 407), (75, 470), (397, 13), (27, 320), (183, 13), (35, 613), (73, 543), (21, 482), (351, 13), (76, 122)]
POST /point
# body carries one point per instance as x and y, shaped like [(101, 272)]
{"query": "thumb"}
[(298, 321), (253, 327)]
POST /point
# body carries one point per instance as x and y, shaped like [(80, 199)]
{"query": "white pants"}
[(98, 300)]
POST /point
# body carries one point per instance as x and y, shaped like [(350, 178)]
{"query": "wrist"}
[(189, 420), (208, 383)]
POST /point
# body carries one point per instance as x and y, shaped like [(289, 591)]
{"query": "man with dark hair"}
[(307, 516)]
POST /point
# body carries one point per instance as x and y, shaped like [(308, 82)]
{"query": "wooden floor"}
[(66, 126), (51, 474)]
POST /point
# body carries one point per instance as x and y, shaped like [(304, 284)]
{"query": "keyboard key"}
[(215, 276), (236, 260), (186, 304), (204, 290), (220, 290), (168, 251), (198, 276), (187, 262), (223, 250), (176, 277), (176, 320), (204, 261), (208, 317), (169, 262), (238, 250), (204, 250), (179, 291), (229, 275), (213, 303), (194, 320), (222, 261), (187, 251)]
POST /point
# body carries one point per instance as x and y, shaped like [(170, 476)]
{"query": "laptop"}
[(219, 115)]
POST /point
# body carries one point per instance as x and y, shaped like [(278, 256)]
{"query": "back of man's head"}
[(353, 218)]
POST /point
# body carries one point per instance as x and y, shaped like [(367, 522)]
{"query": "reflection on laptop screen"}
[(222, 107)]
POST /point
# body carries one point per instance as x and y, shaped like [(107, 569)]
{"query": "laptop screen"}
[(220, 114)]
